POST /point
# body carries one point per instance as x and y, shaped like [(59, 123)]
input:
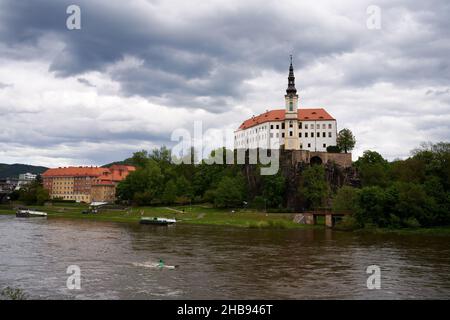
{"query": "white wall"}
[(270, 135)]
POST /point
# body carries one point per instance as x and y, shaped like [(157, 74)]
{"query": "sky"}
[(136, 72)]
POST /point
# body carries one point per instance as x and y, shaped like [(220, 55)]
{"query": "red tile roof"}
[(317, 114), (75, 172), (114, 173)]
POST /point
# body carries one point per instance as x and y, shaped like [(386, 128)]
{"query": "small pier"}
[(330, 216)]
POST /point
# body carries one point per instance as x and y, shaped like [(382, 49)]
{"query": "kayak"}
[(154, 265)]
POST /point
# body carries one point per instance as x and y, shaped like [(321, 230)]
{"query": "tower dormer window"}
[(291, 106)]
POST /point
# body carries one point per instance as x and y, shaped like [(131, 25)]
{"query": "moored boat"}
[(26, 213), (157, 221)]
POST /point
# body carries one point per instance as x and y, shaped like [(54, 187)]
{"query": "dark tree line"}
[(402, 193), (410, 192)]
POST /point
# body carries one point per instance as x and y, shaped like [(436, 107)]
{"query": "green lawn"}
[(203, 214), (196, 214)]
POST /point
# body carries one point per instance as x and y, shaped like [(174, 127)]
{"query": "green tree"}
[(143, 186), (314, 187), (230, 192), (184, 190), (346, 199), (371, 207), (346, 140), (273, 189), (373, 169), (34, 193), (170, 192)]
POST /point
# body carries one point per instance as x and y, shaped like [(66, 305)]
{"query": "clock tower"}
[(291, 136)]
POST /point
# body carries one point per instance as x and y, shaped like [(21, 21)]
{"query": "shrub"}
[(411, 223), (348, 223), (333, 149), (13, 294)]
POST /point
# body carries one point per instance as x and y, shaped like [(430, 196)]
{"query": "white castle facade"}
[(291, 128)]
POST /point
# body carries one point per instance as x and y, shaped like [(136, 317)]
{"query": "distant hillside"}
[(13, 170), (124, 162)]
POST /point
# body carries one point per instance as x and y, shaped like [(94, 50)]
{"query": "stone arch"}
[(316, 160)]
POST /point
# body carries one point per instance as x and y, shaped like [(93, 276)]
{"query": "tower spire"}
[(291, 90)]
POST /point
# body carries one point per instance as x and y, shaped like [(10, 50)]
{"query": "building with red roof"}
[(292, 128), (85, 184)]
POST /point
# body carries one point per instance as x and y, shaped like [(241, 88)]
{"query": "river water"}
[(216, 262)]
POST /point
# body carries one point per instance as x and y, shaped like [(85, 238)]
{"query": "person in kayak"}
[(161, 263)]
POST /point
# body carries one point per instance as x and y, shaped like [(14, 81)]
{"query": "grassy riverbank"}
[(196, 214), (206, 215)]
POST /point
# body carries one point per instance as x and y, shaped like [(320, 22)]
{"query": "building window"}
[(312, 134), (299, 125), (329, 134), (271, 135), (301, 146), (290, 133), (317, 126), (306, 126), (323, 134), (323, 126), (324, 145), (278, 127), (271, 126), (290, 124), (291, 106), (282, 134), (318, 134), (306, 134), (299, 134), (329, 126), (309, 145), (282, 125)]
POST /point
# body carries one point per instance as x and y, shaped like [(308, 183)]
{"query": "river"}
[(216, 262)]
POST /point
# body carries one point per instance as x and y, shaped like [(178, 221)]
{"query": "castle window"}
[(324, 145), (301, 146), (318, 135), (299, 125), (290, 124), (312, 134), (329, 126), (306, 134), (271, 126), (323, 126), (318, 126), (306, 126), (299, 134), (309, 145), (278, 126), (291, 106), (323, 134), (290, 133), (329, 134), (282, 134), (282, 125)]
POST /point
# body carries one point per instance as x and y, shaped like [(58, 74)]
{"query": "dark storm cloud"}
[(86, 82), (5, 85), (209, 56)]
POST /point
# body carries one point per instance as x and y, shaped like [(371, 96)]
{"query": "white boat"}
[(26, 213), (157, 221)]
